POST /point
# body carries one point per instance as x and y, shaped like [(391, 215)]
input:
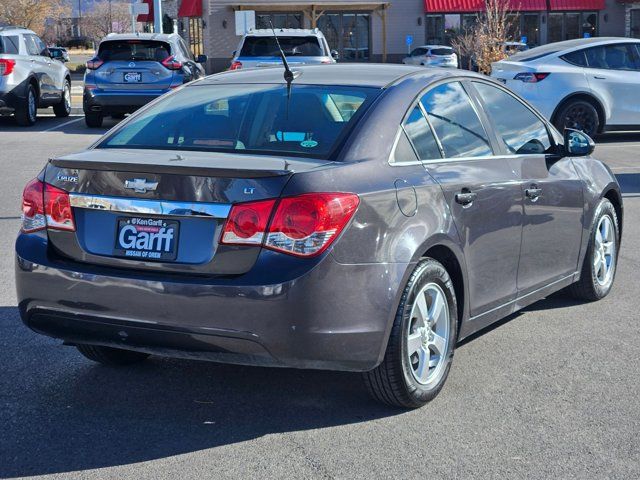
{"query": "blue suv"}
[(129, 70)]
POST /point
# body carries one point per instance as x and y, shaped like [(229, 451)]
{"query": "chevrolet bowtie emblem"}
[(140, 185)]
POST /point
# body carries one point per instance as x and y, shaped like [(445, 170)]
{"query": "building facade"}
[(378, 31)]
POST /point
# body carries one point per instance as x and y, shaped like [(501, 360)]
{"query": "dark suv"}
[(130, 70), (30, 78)]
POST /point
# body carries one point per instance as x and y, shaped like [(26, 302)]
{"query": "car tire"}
[(63, 109), (26, 113), (578, 114), (93, 120), (111, 356), (400, 380), (118, 116), (598, 271)]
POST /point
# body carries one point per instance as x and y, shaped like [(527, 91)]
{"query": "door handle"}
[(533, 192), (466, 197), (597, 77)]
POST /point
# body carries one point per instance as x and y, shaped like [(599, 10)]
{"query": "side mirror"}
[(577, 143), (233, 54), (201, 59), (335, 55)]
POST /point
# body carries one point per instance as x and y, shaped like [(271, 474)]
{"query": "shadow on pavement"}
[(73, 124), (63, 413), (614, 137)]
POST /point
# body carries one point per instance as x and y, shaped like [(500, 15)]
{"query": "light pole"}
[(157, 16)]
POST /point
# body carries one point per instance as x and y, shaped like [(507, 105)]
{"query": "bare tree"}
[(32, 14), (105, 18)]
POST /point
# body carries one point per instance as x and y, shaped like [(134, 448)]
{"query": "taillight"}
[(236, 65), (530, 77), (247, 223), (171, 63), (94, 63), (303, 225), (6, 66), (45, 206)]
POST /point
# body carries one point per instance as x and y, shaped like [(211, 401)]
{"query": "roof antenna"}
[(288, 74)]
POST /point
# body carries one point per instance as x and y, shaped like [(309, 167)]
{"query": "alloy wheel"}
[(604, 251), (428, 334), (31, 105)]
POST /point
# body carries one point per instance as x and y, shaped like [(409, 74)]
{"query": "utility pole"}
[(110, 18), (79, 17), (157, 16)]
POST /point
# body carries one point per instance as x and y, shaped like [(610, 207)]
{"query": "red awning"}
[(472, 6), (147, 18), (190, 8), (577, 4)]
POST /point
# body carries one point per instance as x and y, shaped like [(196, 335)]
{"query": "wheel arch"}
[(613, 195), (589, 97)]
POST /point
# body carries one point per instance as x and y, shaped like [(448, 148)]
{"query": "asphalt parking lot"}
[(551, 392)]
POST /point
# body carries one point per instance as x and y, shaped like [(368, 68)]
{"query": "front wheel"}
[(63, 109), (420, 349), (599, 266)]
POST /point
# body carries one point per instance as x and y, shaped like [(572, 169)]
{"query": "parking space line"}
[(63, 125)]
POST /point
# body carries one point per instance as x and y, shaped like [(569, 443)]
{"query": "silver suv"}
[(258, 48), (30, 78)]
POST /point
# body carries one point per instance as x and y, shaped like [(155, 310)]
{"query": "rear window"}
[(258, 119), (134, 50), (531, 55), (292, 46), (441, 51), (9, 44)]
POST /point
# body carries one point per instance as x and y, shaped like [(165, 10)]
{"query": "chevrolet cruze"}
[(352, 217)]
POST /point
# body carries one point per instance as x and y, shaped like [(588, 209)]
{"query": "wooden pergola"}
[(313, 11)]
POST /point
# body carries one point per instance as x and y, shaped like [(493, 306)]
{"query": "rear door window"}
[(134, 51), (456, 122), (613, 57), (292, 46), (421, 136), (10, 44), (577, 58), (32, 45), (520, 129)]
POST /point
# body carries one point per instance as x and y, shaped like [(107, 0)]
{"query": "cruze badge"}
[(140, 185)]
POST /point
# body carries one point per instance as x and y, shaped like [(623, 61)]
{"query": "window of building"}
[(635, 23), (434, 29), (194, 34), (531, 29), (452, 27), (349, 34), (421, 135), (280, 20), (455, 121), (522, 132), (569, 25)]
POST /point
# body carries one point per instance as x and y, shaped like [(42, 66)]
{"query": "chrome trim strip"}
[(151, 207)]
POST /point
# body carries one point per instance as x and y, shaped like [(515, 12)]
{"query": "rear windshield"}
[(257, 119), (292, 46), (134, 50), (441, 51), (9, 44)]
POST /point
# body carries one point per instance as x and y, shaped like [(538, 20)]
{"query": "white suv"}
[(301, 47), (588, 84)]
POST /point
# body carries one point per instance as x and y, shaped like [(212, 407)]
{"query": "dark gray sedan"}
[(367, 218)]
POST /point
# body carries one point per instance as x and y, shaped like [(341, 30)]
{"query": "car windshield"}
[(292, 46), (257, 119), (133, 50)]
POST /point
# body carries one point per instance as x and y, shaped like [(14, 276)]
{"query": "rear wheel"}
[(420, 349), (580, 115), (118, 116), (27, 111), (111, 356), (93, 120), (63, 109), (599, 266)]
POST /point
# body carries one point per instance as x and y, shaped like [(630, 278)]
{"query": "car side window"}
[(521, 131), (186, 51), (619, 56), (10, 44), (577, 58), (421, 136), (403, 152), (456, 122), (32, 46)]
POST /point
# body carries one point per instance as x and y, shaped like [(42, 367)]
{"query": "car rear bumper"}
[(117, 101), (330, 316)]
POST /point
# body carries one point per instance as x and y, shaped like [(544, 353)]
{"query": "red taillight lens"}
[(94, 63), (171, 63), (45, 206), (6, 66), (530, 77), (247, 223), (33, 218), (236, 65), (57, 208), (305, 225)]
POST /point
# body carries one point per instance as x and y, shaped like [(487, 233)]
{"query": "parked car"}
[(258, 48), (432, 56), (588, 84), (511, 48), (129, 70), (59, 53), (366, 219), (29, 78)]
